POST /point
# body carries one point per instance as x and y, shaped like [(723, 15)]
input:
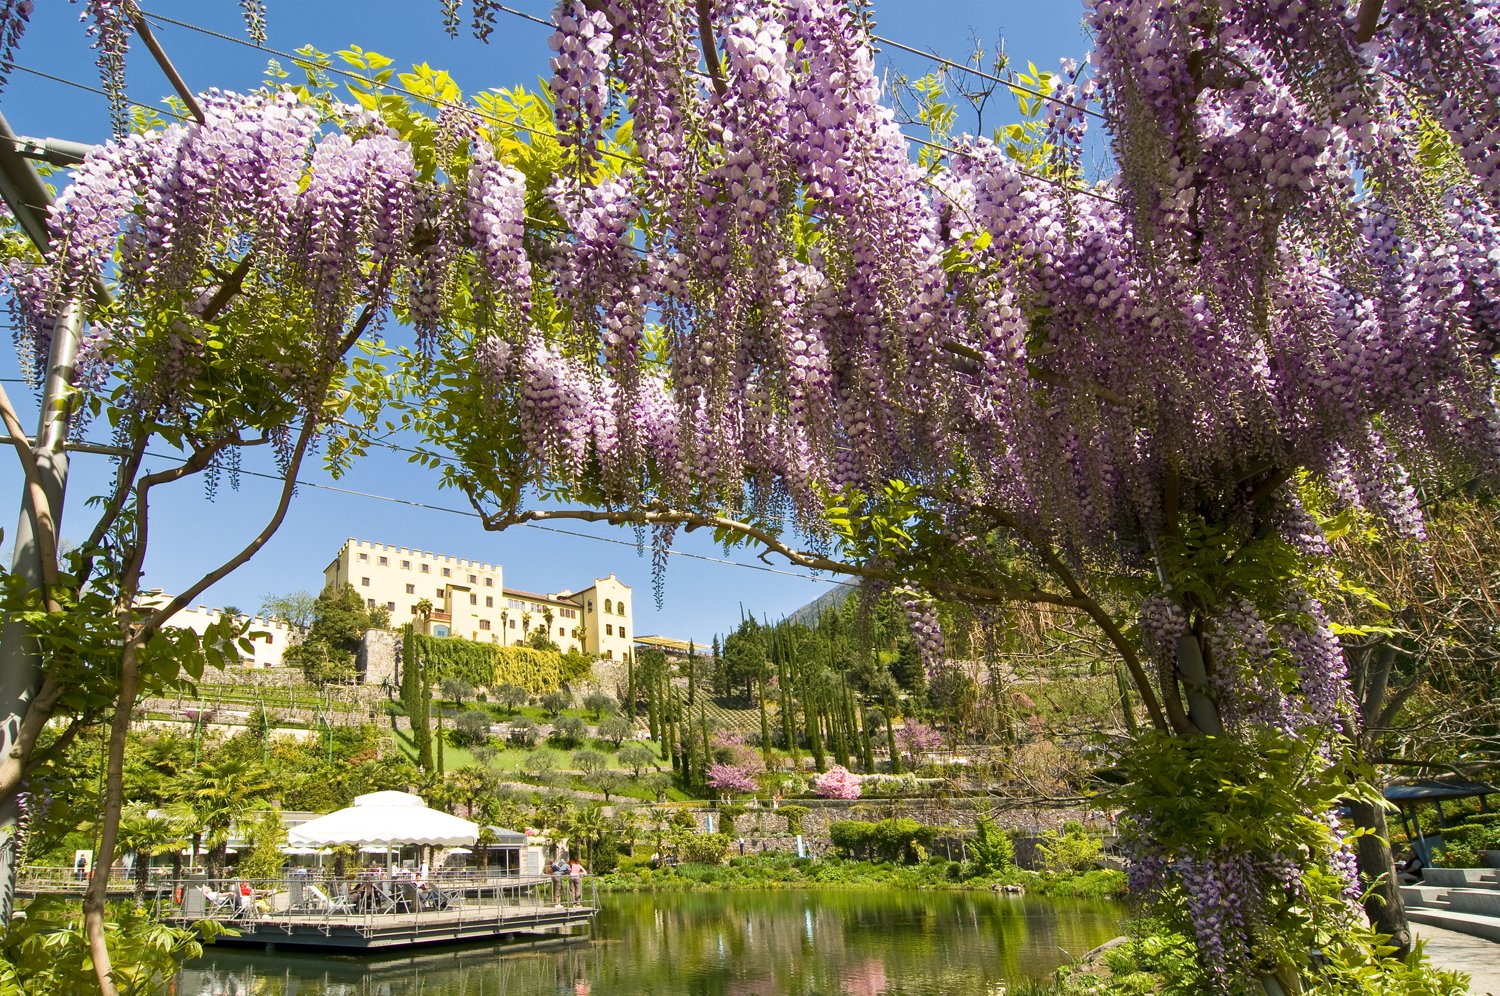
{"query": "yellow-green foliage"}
[(490, 665)]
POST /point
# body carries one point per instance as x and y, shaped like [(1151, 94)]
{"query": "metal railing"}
[(369, 903)]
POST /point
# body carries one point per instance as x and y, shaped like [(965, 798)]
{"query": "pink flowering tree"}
[(916, 738), (838, 782), (730, 780)]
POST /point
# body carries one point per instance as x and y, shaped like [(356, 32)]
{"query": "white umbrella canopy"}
[(385, 818)]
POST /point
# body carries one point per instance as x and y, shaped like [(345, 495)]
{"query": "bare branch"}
[(289, 486)]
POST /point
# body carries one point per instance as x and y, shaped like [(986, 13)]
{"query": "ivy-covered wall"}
[(487, 665)]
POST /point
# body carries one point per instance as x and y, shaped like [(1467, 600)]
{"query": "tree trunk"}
[(1377, 873), (97, 894)]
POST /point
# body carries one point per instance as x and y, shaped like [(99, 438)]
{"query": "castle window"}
[(621, 607), (369, 603), (473, 579), (512, 624), (406, 565), (489, 601), (411, 589), (473, 599), (489, 582), (609, 630), (384, 561), (622, 632), (484, 624), (610, 654), (364, 582), (364, 558), (447, 572), (426, 568), (390, 606), (608, 606)]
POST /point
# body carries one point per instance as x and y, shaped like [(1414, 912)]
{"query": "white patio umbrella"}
[(389, 818)]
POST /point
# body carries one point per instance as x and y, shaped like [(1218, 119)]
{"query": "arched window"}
[(621, 606), (608, 606)]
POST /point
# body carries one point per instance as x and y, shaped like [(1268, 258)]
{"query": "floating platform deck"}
[(379, 931)]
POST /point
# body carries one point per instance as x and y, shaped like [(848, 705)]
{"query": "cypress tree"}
[(784, 683), (708, 750), (890, 740), (719, 686), (630, 684), (692, 665), (811, 721), (765, 725)]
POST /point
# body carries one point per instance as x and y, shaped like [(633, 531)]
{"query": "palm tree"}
[(589, 826), (222, 791), (525, 624), (547, 619), (504, 624), (147, 833)]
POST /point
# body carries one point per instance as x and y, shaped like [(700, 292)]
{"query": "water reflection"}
[(718, 944)]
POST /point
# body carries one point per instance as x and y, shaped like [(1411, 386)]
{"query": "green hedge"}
[(902, 841), (490, 665)]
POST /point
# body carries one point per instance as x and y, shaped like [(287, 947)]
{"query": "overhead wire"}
[(1011, 83), (17, 67), (107, 450)]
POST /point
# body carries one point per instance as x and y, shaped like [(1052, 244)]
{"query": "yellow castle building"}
[(468, 599)]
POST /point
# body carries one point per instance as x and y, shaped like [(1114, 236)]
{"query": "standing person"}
[(559, 872), (575, 877)]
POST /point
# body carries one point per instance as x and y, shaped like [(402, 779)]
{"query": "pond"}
[(718, 944)]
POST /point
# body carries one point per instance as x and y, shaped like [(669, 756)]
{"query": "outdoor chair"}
[(324, 903), (216, 904)]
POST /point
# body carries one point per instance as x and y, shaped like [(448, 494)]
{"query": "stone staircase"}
[(1466, 900)]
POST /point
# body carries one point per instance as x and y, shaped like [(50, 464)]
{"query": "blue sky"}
[(191, 534)]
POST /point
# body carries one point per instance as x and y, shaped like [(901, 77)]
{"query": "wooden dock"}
[(292, 912), (472, 921)]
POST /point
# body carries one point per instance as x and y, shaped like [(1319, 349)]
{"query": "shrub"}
[(524, 733), (1072, 849), (794, 815), (837, 783), (471, 729), (705, 848), (991, 847), (851, 837), (895, 840)]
